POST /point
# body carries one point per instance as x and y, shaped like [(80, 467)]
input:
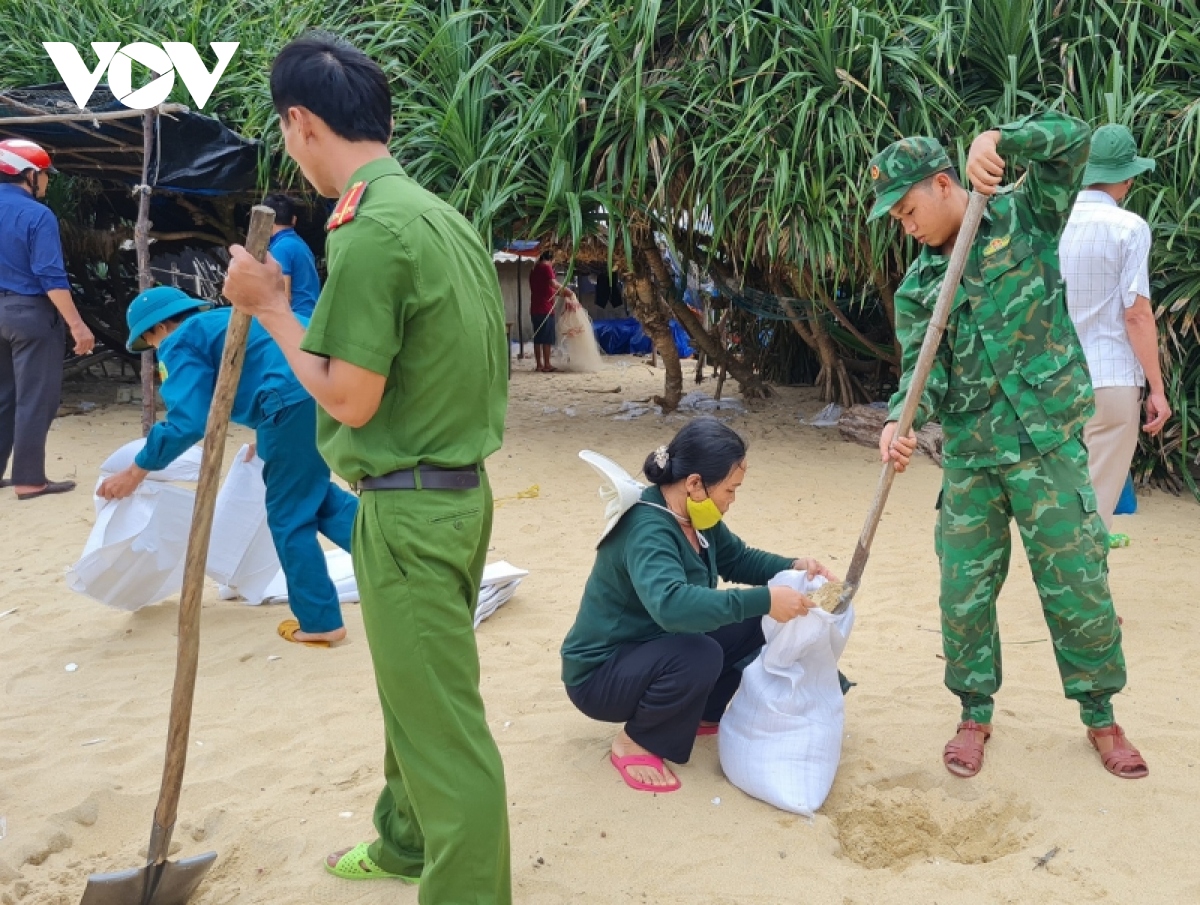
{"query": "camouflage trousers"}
[(1052, 500)]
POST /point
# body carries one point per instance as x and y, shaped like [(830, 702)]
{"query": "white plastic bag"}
[(781, 738), (578, 341), (241, 554)]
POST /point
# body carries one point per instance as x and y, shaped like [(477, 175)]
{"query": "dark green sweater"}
[(648, 582)]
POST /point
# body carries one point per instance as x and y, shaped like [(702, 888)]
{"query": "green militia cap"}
[(900, 166)]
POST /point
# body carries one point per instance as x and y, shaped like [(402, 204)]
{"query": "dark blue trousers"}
[(32, 346), (301, 503)]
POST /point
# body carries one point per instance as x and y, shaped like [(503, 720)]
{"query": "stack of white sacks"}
[(135, 553)]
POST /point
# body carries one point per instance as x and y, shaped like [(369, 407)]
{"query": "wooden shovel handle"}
[(261, 220), (933, 338)]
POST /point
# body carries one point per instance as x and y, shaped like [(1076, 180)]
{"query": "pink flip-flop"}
[(642, 760), (708, 730)]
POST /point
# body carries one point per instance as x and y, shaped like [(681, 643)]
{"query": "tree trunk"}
[(834, 382), (751, 384), (887, 294), (863, 423), (650, 313)]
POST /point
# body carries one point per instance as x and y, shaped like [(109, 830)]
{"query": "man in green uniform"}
[(1011, 388), (407, 359)]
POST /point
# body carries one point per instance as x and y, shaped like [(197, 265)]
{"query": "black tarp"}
[(194, 153)]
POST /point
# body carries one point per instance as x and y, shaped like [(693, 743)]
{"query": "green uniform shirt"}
[(412, 294), (1010, 380), (648, 582)]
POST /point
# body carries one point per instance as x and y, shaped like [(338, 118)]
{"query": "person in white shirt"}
[(1105, 252)]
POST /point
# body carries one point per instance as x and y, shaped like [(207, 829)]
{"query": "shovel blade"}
[(169, 883)]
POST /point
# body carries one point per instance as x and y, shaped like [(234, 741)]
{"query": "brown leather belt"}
[(423, 477)]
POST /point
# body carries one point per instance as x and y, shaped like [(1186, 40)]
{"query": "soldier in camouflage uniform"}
[(1011, 388)]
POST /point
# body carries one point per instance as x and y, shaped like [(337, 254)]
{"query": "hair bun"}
[(658, 466)]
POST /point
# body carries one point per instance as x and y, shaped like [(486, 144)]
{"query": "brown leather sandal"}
[(965, 758), (1123, 760)]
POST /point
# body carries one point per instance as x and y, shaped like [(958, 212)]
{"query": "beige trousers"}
[(1111, 439)]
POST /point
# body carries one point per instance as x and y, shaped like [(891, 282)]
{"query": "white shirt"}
[(1105, 257)]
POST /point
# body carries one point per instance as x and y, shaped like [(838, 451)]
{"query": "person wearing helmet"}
[(35, 303), (189, 337)]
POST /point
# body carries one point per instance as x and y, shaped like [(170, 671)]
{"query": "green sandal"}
[(356, 864), (1118, 540)]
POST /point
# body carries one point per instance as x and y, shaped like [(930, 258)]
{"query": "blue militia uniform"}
[(301, 500), (297, 261)]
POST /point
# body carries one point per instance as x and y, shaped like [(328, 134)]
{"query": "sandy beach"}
[(286, 753)]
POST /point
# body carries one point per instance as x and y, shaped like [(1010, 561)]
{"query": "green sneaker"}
[(1118, 540)]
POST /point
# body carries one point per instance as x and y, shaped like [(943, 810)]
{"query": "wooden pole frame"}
[(141, 240)]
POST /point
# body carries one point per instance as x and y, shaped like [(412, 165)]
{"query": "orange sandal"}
[(1124, 760), (287, 631), (965, 758)]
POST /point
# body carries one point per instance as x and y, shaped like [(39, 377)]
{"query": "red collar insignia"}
[(347, 207)]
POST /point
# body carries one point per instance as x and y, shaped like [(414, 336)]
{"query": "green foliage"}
[(739, 129)]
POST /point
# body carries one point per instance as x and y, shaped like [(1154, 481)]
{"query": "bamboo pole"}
[(75, 117), (141, 239)]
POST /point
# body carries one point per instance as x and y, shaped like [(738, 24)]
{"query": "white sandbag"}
[(341, 572), (577, 341), (135, 552), (241, 554), (185, 468), (781, 738), (499, 583)]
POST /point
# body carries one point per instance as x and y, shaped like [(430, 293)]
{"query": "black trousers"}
[(32, 348), (662, 689)]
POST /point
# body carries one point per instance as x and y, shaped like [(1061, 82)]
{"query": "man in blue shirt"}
[(35, 302), (301, 500), (294, 256)]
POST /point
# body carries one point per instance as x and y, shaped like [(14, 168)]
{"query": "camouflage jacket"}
[(1010, 380)]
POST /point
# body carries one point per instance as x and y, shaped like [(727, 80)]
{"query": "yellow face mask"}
[(703, 515)]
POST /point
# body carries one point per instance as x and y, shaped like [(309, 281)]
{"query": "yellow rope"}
[(530, 493)]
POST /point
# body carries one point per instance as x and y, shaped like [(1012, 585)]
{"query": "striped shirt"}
[(1105, 258)]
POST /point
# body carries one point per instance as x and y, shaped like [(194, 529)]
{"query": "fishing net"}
[(577, 341)]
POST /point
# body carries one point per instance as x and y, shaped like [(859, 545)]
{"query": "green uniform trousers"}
[(1052, 500), (419, 556)]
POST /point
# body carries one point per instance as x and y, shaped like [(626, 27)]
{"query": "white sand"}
[(282, 748)]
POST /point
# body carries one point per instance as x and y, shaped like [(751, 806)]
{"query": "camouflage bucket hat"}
[(900, 166)]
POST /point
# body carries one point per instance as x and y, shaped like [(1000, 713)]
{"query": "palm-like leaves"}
[(739, 129)]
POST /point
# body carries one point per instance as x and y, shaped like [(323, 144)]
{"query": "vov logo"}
[(173, 57)]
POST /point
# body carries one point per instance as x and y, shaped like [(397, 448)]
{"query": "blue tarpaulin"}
[(1127, 504), (625, 336)]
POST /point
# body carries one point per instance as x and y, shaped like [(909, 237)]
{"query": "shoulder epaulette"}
[(347, 207)]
